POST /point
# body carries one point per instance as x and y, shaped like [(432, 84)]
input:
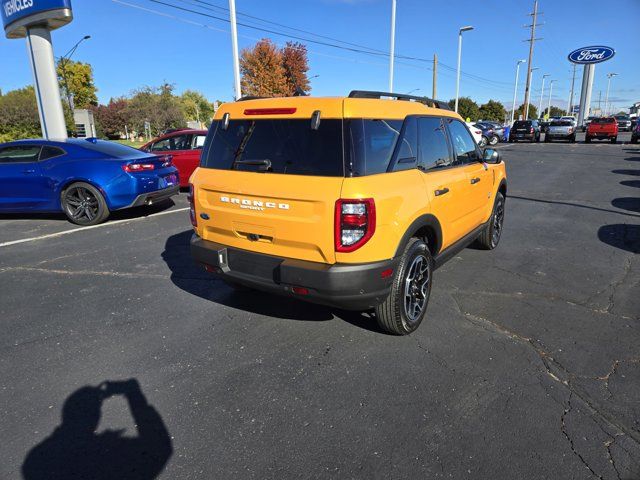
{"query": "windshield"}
[(621, 117)]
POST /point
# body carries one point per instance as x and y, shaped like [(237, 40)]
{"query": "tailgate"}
[(282, 215)]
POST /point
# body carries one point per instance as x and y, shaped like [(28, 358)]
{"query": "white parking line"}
[(81, 229)]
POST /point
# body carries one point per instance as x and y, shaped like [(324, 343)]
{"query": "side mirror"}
[(491, 156)]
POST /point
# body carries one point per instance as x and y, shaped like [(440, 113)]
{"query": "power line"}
[(373, 52)]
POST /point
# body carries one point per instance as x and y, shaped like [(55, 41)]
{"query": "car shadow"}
[(621, 235), (631, 204), (75, 449), (630, 183), (192, 278), (126, 214), (635, 173)]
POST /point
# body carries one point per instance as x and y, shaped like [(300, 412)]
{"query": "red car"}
[(184, 145), (605, 128)]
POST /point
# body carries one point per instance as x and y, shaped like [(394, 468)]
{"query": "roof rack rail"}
[(249, 97), (400, 96)]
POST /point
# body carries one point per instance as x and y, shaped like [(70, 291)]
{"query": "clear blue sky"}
[(132, 47)]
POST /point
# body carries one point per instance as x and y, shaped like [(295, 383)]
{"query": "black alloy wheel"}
[(84, 204)]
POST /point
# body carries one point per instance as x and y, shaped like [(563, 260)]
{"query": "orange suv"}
[(349, 202)]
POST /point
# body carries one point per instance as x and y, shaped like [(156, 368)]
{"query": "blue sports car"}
[(85, 178)]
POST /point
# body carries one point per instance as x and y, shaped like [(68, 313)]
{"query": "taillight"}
[(192, 206), (531, 131), (355, 223), (138, 167)]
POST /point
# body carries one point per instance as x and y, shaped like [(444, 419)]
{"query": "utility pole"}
[(532, 40), (434, 93), (515, 91), (393, 43), (550, 92), (599, 100), (460, 31), (541, 94), (234, 46), (606, 102), (573, 81)]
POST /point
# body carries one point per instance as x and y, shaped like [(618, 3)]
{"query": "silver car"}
[(561, 130)]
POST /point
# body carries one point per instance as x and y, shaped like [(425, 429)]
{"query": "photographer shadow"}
[(76, 450)]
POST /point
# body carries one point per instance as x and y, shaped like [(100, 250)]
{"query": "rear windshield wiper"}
[(264, 164)]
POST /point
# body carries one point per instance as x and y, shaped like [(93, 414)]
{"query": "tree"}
[(19, 115), (467, 108), (296, 66), (493, 110), (263, 73), (76, 79), (196, 107), (533, 111), (156, 105), (555, 111), (111, 118)]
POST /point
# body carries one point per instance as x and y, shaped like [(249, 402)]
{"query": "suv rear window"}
[(522, 124), (562, 123), (286, 146), (603, 120)]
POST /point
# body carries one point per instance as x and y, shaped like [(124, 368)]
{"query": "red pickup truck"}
[(602, 129)]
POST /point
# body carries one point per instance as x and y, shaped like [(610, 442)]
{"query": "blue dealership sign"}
[(593, 54), (19, 14)]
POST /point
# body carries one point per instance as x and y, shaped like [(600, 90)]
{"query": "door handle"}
[(441, 191), (28, 171), (474, 180)]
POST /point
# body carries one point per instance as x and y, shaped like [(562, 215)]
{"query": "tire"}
[(494, 140), (404, 309), (490, 236), (614, 139), (587, 139), (83, 204), (547, 139), (538, 139), (634, 139), (511, 140), (483, 141), (573, 139)]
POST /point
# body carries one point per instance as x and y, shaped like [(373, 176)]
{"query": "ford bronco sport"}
[(348, 202)]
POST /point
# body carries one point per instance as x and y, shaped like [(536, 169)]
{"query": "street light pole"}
[(234, 46), (606, 98), (463, 29), (541, 94), (64, 60), (393, 44), (550, 91), (515, 90)]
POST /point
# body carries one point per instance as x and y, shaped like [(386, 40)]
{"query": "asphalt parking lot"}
[(528, 365)]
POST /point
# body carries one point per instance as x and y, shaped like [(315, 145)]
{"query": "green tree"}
[(467, 108), (156, 105), (533, 111), (493, 110), (19, 115), (555, 111), (196, 107), (76, 79)]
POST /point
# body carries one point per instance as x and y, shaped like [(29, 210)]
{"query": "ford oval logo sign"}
[(595, 54)]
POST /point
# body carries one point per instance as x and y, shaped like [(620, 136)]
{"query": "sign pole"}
[(585, 92), (46, 87)]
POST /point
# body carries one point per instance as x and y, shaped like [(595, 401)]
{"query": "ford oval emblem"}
[(594, 54)]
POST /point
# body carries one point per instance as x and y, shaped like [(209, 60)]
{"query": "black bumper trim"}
[(154, 197), (346, 286)]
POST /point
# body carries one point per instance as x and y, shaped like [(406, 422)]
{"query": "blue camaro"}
[(85, 178)]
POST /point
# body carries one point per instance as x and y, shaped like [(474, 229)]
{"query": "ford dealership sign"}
[(17, 15), (595, 54)]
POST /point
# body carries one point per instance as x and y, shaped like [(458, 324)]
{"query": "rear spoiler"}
[(429, 102)]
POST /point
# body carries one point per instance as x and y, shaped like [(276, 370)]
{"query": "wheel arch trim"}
[(427, 221)]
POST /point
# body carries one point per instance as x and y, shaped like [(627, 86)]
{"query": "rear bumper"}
[(522, 136), (560, 135), (349, 287), (602, 134), (154, 197)]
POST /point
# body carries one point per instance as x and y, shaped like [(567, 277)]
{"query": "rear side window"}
[(433, 146), (370, 144), (463, 144), (285, 146), (50, 152), (19, 154)]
